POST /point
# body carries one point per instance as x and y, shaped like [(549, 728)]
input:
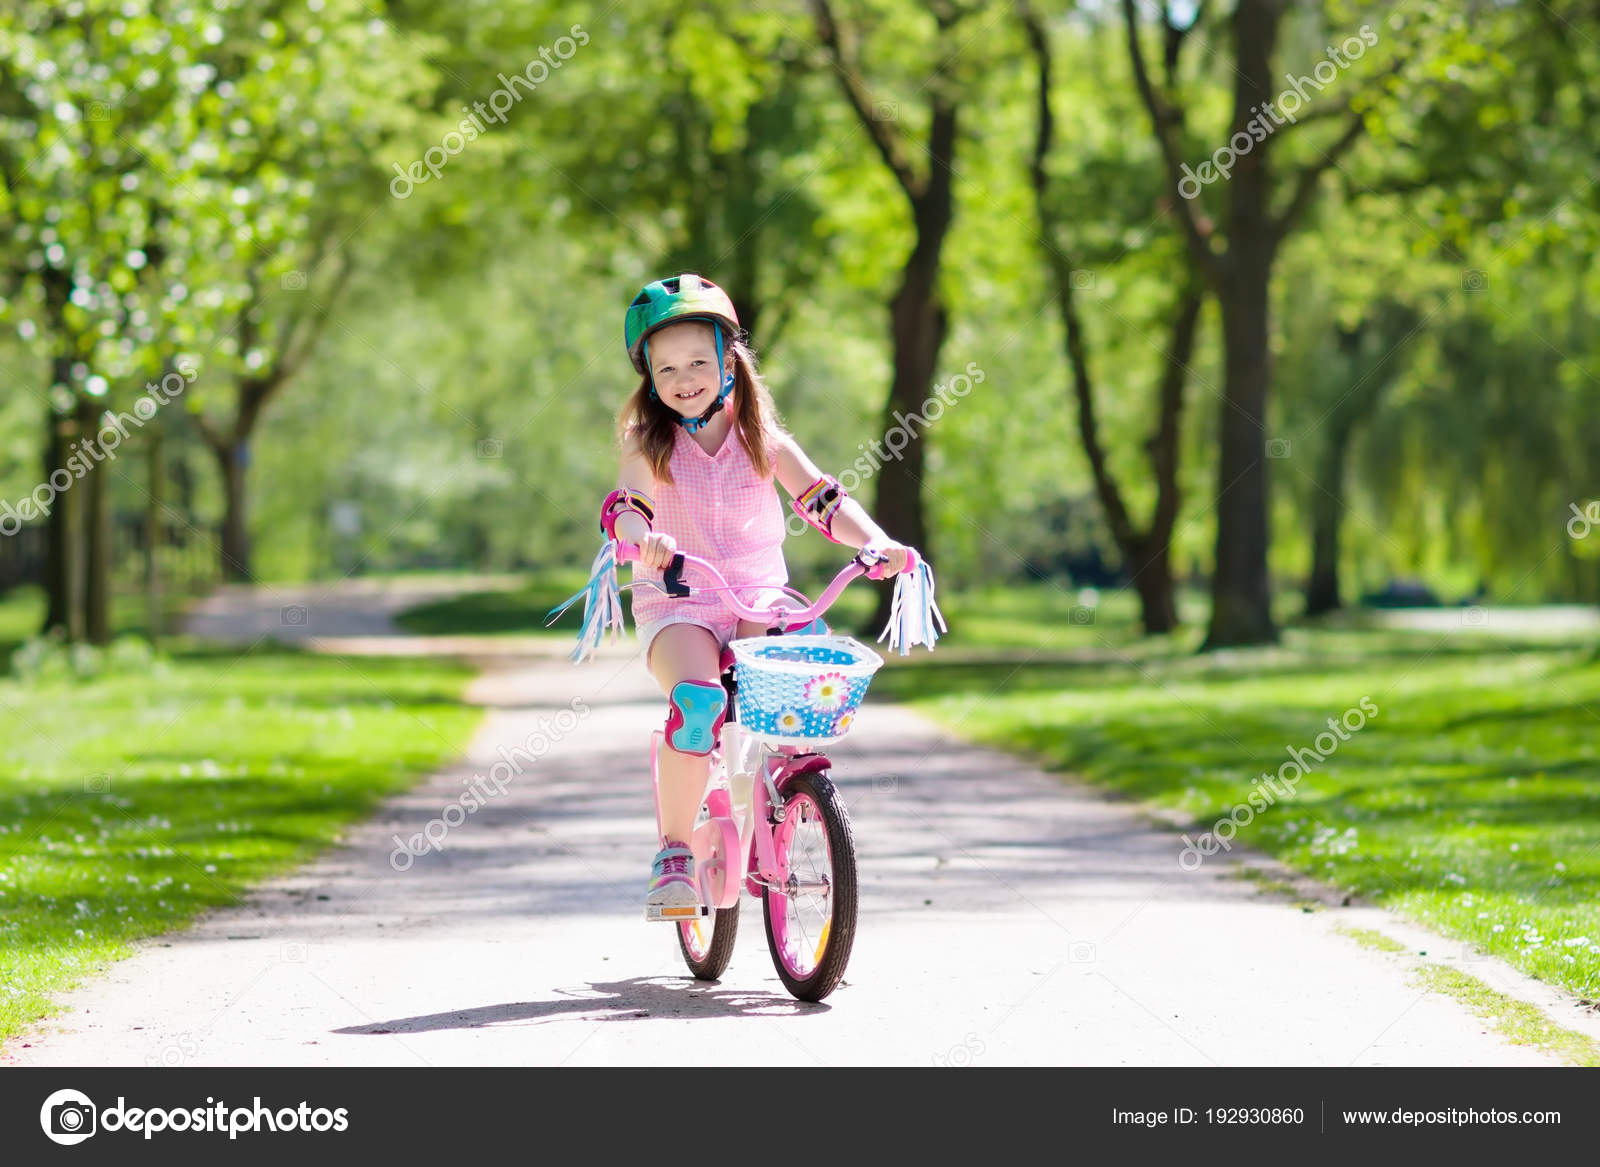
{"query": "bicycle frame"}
[(750, 843)]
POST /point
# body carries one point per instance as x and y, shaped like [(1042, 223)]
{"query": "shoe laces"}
[(675, 864)]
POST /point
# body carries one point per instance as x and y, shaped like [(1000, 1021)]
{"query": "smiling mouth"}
[(688, 396)]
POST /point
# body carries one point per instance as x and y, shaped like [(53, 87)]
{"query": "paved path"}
[(1007, 917), (298, 613)]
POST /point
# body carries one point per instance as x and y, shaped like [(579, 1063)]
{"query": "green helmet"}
[(685, 297)]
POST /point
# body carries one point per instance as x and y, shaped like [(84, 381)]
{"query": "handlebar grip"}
[(880, 569), (672, 578)]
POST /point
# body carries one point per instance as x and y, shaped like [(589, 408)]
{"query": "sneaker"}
[(674, 891)]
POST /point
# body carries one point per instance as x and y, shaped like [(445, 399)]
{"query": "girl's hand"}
[(657, 549), (898, 554)]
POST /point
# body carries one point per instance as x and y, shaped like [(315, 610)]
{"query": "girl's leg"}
[(682, 652)]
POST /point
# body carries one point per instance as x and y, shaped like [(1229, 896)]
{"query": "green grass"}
[(22, 611), (1470, 803), (1376, 941), (518, 612), (131, 803), (1516, 1021)]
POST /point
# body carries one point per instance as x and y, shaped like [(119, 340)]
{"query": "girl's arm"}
[(656, 549), (851, 525)]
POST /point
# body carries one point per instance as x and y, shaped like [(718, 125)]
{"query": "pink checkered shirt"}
[(719, 508)]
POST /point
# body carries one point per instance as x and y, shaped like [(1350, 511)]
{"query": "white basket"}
[(801, 689)]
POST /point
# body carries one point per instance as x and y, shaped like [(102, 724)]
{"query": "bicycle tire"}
[(838, 934), (724, 932)]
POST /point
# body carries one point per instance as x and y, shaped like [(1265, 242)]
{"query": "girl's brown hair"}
[(654, 424)]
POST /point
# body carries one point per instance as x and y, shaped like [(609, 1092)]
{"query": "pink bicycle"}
[(792, 847)]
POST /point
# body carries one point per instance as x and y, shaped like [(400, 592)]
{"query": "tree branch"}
[(855, 90), (1110, 495), (1174, 37), (1305, 187), (302, 341), (1162, 115), (1163, 445)]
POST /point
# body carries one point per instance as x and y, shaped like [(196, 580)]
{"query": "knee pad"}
[(695, 715)]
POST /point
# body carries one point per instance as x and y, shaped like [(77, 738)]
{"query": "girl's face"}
[(683, 360)]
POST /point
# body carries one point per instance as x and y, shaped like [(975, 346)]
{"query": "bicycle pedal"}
[(677, 914)]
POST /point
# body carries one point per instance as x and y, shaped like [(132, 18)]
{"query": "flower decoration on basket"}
[(827, 690)]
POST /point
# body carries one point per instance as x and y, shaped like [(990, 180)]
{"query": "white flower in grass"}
[(827, 691), (790, 721)]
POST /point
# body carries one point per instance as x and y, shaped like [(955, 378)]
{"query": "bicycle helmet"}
[(669, 301)]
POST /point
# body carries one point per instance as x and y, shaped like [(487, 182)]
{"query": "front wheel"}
[(811, 920), (707, 943)]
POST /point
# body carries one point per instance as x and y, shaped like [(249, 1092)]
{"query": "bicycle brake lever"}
[(673, 578)]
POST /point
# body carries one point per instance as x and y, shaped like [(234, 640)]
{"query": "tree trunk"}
[(1150, 560), (1241, 595), (919, 325), (1322, 586), (58, 549), (1327, 514), (155, 489), (97, 557), (1366, 363), (235, 518), (70, 503)]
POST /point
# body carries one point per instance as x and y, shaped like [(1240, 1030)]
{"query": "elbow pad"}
[(625, 500), (819, 502)]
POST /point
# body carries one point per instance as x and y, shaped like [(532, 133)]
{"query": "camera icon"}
[(67, 1117), (176, 1053), (293, 616), (1081, 614), (1082, 952), (96, 783), (1083, 280), (1474, 617), (886, 111), (965, 1054), (1474, 280), (1584, 521), (293, 952), (491, 448), (1278, 447), (294, 281), (885, 783), (97, 111)]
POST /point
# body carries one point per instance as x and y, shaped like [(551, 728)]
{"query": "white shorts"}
[(717, 619)]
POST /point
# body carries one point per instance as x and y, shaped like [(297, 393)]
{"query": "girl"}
[(701, 445)]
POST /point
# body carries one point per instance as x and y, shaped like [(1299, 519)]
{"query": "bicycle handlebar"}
[(876, 567)]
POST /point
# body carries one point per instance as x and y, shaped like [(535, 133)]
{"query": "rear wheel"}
[(811, 921)]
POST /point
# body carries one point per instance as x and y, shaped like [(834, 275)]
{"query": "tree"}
[(1260, 211), (918, 321), (1146, 552)]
